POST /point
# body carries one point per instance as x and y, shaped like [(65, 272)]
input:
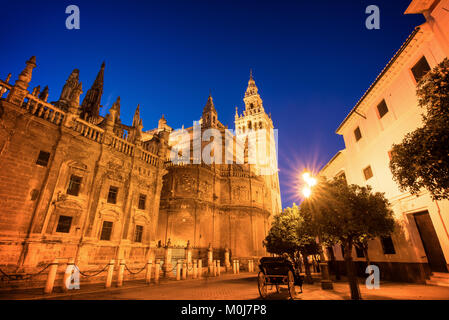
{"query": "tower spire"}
[(252, 98), (91, 103), (209, 117), (136, 118)]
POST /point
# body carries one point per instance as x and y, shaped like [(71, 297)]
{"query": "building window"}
[(391, 154), (342, 176), (43, 158), (34, 194), (359, 252), (387, 245), (420, 69), (382, 108), (138, 234), (74, 185), (367, 172), (112, 195), (64, 224), (106, 230), (142, 201), (357, 134)]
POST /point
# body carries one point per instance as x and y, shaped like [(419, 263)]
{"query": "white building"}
[(385, 113)]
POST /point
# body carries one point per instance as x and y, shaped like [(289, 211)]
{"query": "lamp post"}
[(326, 282)]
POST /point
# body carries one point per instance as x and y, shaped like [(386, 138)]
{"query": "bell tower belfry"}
[(257, 126)]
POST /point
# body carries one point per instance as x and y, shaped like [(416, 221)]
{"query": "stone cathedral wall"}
[(33, 196), (215, 206)]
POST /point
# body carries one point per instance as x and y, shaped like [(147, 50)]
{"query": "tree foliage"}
[(422, 159), (349, 215), (291, 233)]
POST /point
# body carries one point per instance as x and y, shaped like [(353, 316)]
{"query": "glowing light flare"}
[(311, 181), (306, 192)]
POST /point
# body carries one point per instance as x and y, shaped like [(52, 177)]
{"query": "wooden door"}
[(430, 241)]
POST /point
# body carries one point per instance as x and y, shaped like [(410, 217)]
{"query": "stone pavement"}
[(234, 287)]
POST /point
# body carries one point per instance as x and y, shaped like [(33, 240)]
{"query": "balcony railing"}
[(43, 110), (122, 145), (89, 130), (4, 89)]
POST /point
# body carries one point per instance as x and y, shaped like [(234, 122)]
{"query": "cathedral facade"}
[(225, 206), (75, 184)]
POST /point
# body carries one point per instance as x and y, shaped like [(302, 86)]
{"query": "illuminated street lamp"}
[(326, 283), (310, 182)]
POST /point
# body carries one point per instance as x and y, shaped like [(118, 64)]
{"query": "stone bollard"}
[(167, 267), (121, 272), (200, 268), (214, 267), (238, 266), (227, 262), (148, 272), (195, 269), (68, 274), (184, 270), (218, 267), (51, 277), (178, 270), (110, 274), (157, 270), (234, 266), (188, 257)]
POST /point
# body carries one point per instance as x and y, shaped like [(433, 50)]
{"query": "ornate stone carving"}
[(70, 84), (240, 193), (185, 183)]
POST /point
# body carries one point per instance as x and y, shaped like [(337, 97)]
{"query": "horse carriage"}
[(278, 271)]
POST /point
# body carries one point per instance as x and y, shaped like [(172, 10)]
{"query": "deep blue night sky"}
[(311, 60)]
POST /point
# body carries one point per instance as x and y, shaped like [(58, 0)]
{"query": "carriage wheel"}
[(291, 284), (262, 284)]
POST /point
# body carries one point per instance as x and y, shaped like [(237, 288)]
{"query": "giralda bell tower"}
[(258, 126)]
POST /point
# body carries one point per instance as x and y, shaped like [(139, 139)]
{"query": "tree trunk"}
[(365, 252), (350, 270)]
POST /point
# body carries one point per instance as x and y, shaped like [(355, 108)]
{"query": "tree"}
[(422, 159), (291, 233), (349, 215)]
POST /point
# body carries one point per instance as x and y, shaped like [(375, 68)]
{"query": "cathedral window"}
[(106, 230), (43, 158), (74, 185), (64, 224), (142, 201), (138, 234), (112, 195)]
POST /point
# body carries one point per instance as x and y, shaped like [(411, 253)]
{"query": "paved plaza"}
[(234, 287)]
